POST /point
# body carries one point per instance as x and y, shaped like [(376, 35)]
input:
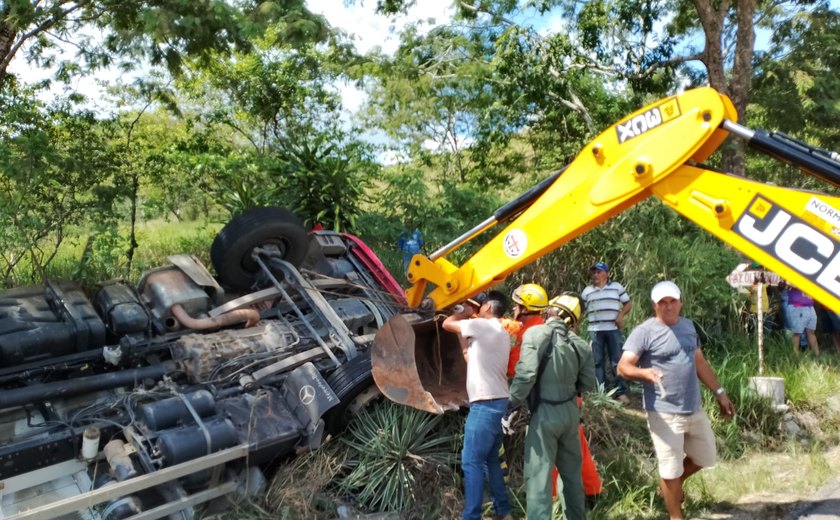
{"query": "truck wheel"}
[(353, 383), (232, 247)]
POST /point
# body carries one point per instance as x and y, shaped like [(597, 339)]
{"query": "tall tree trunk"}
[(738, 86), (7, 40), (712, 21)]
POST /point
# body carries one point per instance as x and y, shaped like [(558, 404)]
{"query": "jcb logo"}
[(793, 241), (648, 120)]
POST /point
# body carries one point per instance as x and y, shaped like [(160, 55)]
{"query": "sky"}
[(369, 30), (358, 19)]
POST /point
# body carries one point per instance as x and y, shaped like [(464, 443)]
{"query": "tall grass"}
[(92, 257)]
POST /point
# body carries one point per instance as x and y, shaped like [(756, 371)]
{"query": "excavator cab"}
[(656, 151)]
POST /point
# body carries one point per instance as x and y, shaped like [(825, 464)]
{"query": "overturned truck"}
[(153, 400)]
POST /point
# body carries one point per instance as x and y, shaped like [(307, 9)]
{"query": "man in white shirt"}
[(486, 351), (607, 303)]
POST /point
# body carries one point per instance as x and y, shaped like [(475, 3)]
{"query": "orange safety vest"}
[(526, 321)]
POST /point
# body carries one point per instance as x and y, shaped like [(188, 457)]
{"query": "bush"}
[(401, 459)]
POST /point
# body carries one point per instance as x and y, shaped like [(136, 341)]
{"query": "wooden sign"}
[(743, 276)]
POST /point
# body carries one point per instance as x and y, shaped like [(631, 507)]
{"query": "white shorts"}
[(678, 436)]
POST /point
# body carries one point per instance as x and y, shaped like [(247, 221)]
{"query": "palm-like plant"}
[(394, 452)]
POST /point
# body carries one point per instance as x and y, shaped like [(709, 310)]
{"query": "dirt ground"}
[(793, 489)]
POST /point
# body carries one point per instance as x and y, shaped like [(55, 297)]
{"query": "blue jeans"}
[(608, 342), (480, 456)]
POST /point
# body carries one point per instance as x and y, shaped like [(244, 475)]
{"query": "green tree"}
[(636, 46), (434, 97), (797, 80), (58, 170), (494, 99), (280, 109), (160, 32)]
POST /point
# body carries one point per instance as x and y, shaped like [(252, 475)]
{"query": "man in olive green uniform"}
[(552, 438)]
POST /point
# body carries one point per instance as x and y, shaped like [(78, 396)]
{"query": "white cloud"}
[(369, 29)]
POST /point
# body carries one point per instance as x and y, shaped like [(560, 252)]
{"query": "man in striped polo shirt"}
[(607, 303)]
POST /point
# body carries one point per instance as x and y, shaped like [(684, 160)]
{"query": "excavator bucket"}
[(420, 365)]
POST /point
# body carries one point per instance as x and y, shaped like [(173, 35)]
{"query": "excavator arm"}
[(656, 151), (793, 233), (649, 154)]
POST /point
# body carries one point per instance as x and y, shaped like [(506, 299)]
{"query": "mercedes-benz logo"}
[(306, 394)]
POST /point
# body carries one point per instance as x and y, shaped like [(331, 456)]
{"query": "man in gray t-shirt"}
[(664, 354), (668, 350)]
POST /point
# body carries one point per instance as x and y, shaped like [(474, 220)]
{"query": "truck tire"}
[(232, 247), (353, 383)]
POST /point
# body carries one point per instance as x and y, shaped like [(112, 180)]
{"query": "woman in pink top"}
[(802, 317)]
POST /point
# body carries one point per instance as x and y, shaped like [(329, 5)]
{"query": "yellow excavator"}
[(656, 151)]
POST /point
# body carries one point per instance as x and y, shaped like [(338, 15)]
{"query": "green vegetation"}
[(240, 109), (92, 258), (399, 459), (756, 456)]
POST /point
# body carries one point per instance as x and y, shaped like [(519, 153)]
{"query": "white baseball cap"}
[(664, 290)]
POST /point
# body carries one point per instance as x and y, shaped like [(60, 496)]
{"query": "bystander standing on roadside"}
[(664, 353), (486, 351), (607, 303), (802, 318)]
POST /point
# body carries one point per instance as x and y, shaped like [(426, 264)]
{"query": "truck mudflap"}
[(419, 364)]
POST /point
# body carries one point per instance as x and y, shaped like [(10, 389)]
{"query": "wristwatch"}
[(720, 391)]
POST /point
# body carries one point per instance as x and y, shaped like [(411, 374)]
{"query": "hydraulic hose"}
[(502, 214)]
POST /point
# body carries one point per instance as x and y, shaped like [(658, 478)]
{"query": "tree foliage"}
[(245, 110), (795, 90), (435, 97), (160, 32), (277, 107), (58, 170)]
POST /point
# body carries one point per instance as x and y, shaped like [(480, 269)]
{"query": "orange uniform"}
[(525, 321)]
